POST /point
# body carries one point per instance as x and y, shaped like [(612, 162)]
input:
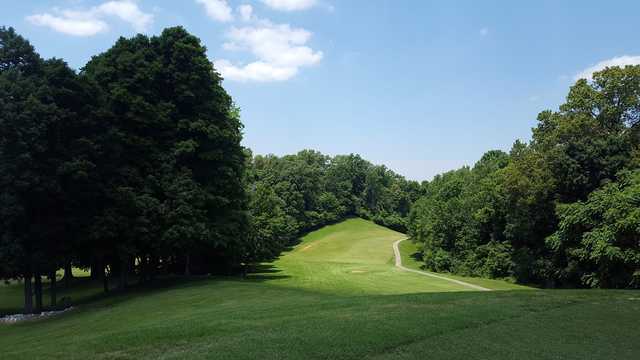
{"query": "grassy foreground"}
[(337, 295)]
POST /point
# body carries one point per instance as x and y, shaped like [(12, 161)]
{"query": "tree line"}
[(294, 194), (561, 210), (133, 168)]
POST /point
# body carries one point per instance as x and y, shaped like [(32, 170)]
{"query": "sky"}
[(422, 87)]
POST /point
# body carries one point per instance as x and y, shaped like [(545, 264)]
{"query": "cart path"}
[(396, 252)]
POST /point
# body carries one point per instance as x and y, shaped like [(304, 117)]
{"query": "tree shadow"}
[(87, 293), (265, 272)]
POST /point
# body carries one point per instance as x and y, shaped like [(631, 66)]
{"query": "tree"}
[(503, 217), (40, 107), (600, 237), (172, 155)]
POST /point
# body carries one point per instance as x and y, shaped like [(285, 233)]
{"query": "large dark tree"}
[(132, 165), (171, 154), (42, 104)]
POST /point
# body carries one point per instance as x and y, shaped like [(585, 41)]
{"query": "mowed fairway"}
[(352, 257), (337, 295)]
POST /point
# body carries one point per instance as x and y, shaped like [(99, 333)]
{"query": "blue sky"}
[(420, 86)]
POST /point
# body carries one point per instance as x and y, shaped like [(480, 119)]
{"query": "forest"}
[(562, 210), (133, 168)]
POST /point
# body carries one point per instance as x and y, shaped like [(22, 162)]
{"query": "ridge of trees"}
[(561, 210), (294, 194)]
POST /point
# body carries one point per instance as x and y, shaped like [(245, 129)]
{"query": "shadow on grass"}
[(87, 292), (264, 272), (80, 288)]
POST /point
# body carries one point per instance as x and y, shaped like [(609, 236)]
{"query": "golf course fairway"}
[(335, 295), (354, 257)]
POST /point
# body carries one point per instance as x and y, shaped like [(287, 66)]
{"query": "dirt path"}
[(396, 252)]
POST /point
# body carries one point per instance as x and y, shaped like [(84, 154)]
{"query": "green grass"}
[(352, 257), (311, 304), (11, 294)]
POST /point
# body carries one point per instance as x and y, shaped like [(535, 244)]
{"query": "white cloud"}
[(290, 5), (69, 26), (484, 31), (246, 12), (92, 21), (280, 51), (218, 10), (127, 11), (256, 71), (616, 61)]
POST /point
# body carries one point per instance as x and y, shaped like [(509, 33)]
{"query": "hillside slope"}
[(289, 311), (351, 257)]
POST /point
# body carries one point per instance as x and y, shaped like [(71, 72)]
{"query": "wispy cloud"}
[(94, 20), (290, 5), (484, 31), (616, 61), (218, 10), (246, 12)]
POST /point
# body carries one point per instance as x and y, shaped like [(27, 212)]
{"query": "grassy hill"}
[(354, 257), (336, 295)]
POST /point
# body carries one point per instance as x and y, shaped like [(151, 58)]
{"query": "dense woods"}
[(132, 168), (561, 210)]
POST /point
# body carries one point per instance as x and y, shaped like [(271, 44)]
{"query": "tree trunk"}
[(28, 295), (153, 266), (96, 270), (52, 290), (68, 274), (124, 269), (38, 292), (142, 270), (102, 274), (187, 261)]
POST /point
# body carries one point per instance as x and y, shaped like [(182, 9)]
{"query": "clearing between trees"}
[(335, 295)]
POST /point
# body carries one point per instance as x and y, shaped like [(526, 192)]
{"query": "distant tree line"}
[(561, 211), (294, 194), (132, 168)]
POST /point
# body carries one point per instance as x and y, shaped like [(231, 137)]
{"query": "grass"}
[(12, 296), (311, 304), (354, 257)]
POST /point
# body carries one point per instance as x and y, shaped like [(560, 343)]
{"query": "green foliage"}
[(135, 164), (499, 219), (459, 220), (172, 149), (600, 238), (294, 194)]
